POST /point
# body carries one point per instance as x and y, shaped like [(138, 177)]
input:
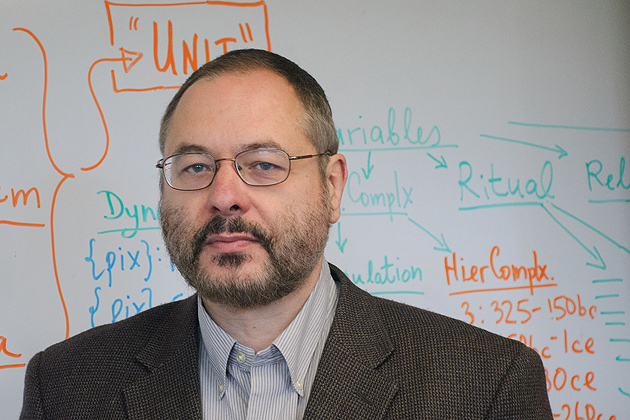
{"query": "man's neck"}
[(258, 327)]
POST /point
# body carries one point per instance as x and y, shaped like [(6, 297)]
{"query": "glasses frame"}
[(160, 165)]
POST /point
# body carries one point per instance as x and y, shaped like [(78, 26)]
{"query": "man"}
[(252, 183)]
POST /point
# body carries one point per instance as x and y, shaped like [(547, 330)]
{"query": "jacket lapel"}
[(170, 388), (348, 383)]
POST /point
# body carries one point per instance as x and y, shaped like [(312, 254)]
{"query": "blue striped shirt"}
[(276, 382)]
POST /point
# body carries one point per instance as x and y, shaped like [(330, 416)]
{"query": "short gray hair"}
[(317, 120)]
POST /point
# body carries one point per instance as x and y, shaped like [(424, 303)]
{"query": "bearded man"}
[(251, 183)]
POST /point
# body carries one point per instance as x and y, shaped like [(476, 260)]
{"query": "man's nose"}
[(228, 195)]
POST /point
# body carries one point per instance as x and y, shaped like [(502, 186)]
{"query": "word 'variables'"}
[(392, 135)]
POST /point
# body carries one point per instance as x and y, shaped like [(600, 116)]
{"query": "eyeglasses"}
[(257, 167)]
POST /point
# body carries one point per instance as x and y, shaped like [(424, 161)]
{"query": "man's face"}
[(242, 245)]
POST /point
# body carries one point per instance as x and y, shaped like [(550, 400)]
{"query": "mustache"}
[(220, 224)]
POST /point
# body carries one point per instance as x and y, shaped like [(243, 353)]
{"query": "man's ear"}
[(336, 177)]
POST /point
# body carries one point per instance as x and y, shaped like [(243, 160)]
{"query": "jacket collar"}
[(348, 383), (170, 388)]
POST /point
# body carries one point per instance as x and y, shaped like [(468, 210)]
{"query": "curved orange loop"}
[(65, 176), (41, 47), (54, 253), (100, 111)]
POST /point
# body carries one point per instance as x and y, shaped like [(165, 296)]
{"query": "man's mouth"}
[(224, 236), (230, 242)]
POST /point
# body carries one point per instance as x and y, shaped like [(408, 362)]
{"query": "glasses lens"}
[(263, 166), (191, 171)]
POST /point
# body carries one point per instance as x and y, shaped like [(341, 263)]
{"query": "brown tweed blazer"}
[(382, 360)]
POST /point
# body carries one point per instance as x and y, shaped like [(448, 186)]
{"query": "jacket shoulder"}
[(85, 375), (458, 370), (130, 334), (410, 325)]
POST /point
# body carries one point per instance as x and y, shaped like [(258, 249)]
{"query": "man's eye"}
[(196, 168), (264, 166)]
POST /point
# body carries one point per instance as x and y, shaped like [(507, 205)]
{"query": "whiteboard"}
[(487, 145)]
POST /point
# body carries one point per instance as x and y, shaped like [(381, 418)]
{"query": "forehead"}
[(234, 110)]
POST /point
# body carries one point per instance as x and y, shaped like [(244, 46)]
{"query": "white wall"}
[(443, 109)]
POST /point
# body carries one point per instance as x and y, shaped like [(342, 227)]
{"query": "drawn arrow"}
[(622, 359), (599, 261), (608, 238), (441, 163), (134, 61), (443, 245), (341, 244), (369, 167), (601, 264), (562, 153)]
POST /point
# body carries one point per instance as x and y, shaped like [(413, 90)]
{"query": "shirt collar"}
[(297, 342), (218, 344)]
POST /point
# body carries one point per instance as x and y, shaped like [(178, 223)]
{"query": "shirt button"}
[(221, 388), (298, 385), (241, 358)]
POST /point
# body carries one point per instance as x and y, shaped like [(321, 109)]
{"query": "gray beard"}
[(293, 255)]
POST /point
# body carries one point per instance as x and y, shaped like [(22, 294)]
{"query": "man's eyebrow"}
[(264, 144), (191, 148), (196, 148)]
